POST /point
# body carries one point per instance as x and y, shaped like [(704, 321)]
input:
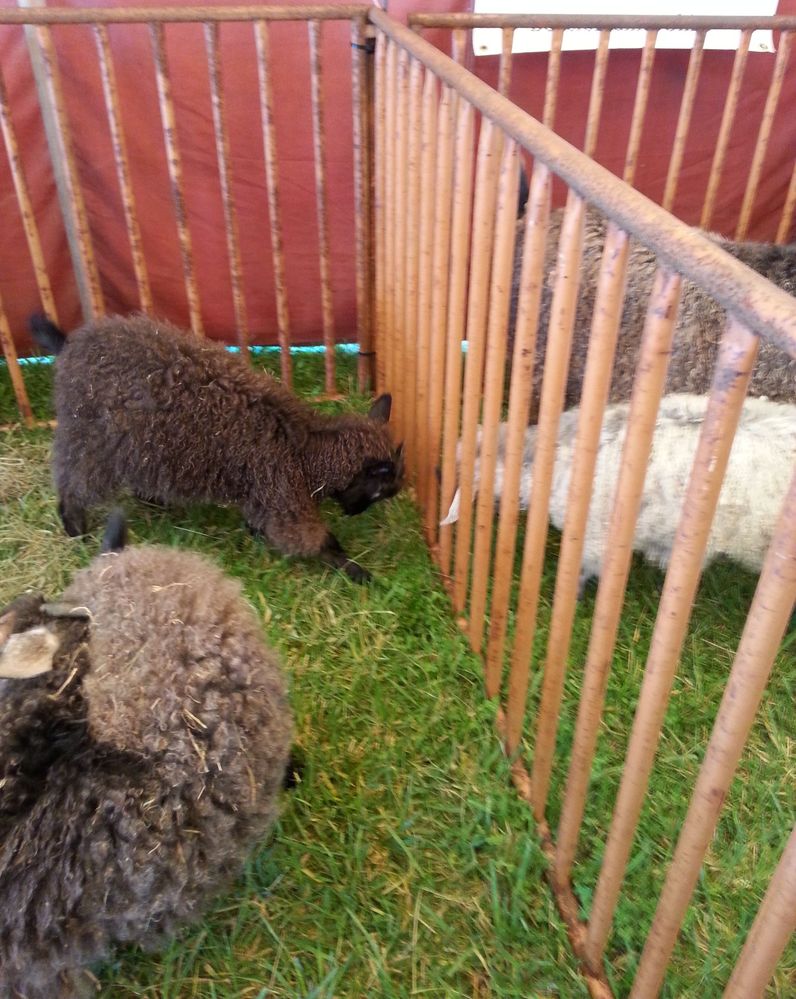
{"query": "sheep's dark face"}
[(378, 479)]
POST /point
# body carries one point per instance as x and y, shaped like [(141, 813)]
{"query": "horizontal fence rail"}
[(43, 26), (495, 575)]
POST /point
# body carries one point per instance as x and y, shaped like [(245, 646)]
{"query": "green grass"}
[(403, 864)]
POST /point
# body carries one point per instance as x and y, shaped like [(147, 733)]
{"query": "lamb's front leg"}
[(301, 531)]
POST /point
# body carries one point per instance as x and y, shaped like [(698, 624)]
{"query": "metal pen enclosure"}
[(435, 188)]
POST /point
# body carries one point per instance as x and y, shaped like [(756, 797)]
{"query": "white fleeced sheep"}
[(759, 471)]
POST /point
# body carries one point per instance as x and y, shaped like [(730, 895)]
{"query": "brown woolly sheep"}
[(143, 405), (138, 769), (699, 326)]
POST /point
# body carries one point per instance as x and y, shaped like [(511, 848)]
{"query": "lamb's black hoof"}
[(294, 771), (73, 519), (355, 572)]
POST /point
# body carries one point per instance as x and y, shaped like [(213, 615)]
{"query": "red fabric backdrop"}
[(132, 55)]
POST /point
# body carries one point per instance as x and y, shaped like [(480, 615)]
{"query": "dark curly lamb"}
[(699, 326), (138, 770), (145, 406)]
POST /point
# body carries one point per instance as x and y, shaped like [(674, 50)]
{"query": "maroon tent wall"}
[(132, 54)]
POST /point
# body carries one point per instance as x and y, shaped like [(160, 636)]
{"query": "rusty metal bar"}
[(443, 208), (603, 22), (520, 392), (773, 926), (737, 353), (262, 44), (684, 120), (380, 329), (758, 304), (62, 155), (597, 93), (596, 382), (401, 149), (499, 294), (319, 146), (727, 119), (391, 221), (427, 196), (787, 212), (648, 387), (553, 76), (412, 264), (176, 15), (14, 372), (113, 109), (25, 206), (765, 626), (504, 72), (477, 306), (460, 252), (640, 106), (559, 344), (211, 30), (362, 204), (175, 174), (769, 111)]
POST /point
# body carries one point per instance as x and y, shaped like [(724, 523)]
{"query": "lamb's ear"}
[(380, 410), (28, 653)]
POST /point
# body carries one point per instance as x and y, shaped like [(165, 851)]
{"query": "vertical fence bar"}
[(262, 43), (765, 626), (399, 238), (640, 106), (175, 173), (25, 206), (428, 153), (773, 926), (727, 119), (787, 212), (504, 73), (494, 379), (380, 211), (391, 222), (648, 387), (477, 306), (319, 146), (362, 203), (113, 110), (17, 381), (553, 76), (62, 155), (412, 263), (737, 353), (443, 204), (770, 109), (460, 251), (597, 93), (684, 120), (559, 344), (459, 45), (520, 391), (596, 383), (225, 178)]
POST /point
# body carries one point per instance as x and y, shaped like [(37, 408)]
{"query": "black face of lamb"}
[(377, 480)]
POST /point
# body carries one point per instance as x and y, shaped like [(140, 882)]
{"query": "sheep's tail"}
[(115, 536), (47, 334)]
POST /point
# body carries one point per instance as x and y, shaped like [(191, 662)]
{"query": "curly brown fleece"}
[(139, 773), (145, 406), (699, 326)]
